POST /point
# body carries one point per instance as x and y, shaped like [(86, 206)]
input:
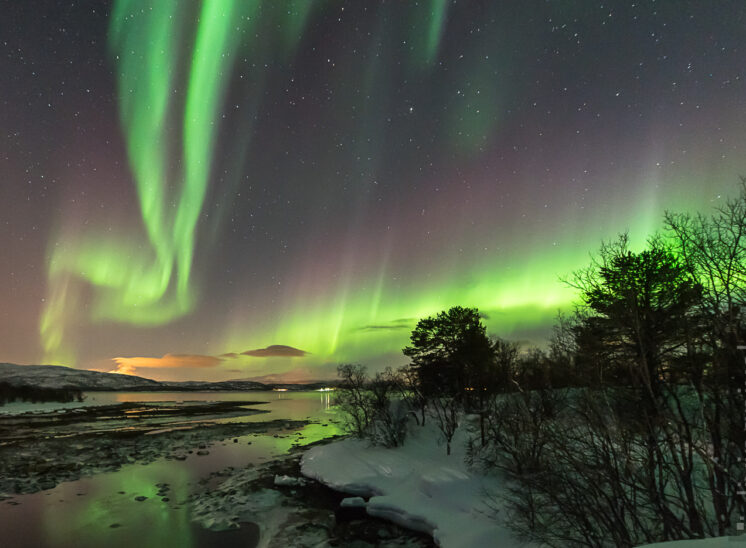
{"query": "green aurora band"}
[(150, 284), (145, 277), (519, 291)]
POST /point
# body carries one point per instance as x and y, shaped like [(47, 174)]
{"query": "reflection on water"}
[(112, 398), (102, 510)]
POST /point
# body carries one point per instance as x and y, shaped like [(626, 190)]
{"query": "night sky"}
[(226, 189)]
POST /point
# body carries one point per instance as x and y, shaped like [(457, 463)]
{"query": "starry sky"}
[(213, 189)]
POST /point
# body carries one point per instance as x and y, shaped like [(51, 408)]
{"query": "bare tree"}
[(447, 410), (653, 449), (389, 416), (713, 249), (354, 399), (412, 393)]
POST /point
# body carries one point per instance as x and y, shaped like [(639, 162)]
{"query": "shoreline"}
[(261, 503), (293, 508), (38, 451)]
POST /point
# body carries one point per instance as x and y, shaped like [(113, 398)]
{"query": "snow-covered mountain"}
[(55, 376)]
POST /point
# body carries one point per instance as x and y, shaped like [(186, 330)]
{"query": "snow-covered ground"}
[(417, 486), (718, 542), (55, 376)]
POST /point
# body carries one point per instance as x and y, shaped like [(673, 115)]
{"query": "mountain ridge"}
[(58, 376)]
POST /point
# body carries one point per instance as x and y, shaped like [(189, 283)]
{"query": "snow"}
[(281, 519), (289, 480), (54, 376), (353, 502), (417, 486), (717, 542)]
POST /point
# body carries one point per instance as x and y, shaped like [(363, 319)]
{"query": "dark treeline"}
[(629, 428), (10, 393)]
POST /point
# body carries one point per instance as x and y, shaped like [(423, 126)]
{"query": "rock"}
[(48, 483), (288, 480), (349, 513), (203, 452)]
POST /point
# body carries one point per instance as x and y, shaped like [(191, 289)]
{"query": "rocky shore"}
[(40, 450), (267, 504), (291, 510)]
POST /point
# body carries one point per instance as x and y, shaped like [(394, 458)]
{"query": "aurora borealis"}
[(216, 179)]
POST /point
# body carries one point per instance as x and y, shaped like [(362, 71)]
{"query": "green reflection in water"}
[(88, 519), (82, 521)]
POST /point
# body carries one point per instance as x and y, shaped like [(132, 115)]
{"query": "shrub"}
[(354, 400), (370, 408)]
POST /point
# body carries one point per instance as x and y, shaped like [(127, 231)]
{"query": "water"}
[(102, 511), (296, 403)]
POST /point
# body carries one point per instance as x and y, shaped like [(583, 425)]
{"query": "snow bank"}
[(417, 486), (353, 502), (718, 542)]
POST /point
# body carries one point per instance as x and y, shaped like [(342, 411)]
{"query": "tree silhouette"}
[(453, 358), (449, 351), (640, 309)]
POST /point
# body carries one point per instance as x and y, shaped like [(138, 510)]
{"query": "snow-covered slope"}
[(417, 486), (717, 542), (53, 376)]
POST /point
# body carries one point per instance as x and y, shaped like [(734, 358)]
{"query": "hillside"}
[(55, 376)]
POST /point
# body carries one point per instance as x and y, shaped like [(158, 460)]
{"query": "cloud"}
[(276, 351), (127, 366), (394, 325)]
